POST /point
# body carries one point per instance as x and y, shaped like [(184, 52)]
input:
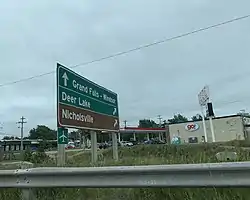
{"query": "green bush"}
[(237, 143), (36, 156), (27, 155)]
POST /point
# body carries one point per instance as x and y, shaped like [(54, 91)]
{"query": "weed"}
[(144, 155)]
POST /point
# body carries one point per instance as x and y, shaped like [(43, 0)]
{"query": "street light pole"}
[(1, 127)]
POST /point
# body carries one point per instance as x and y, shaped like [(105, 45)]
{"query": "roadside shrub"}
[(27, 155), (35, 157)]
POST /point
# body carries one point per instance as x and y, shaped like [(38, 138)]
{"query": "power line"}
[(134, 49), (219, 104)]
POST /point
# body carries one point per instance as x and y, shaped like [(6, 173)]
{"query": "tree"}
[(11, 138), (144, 123), (43, 132), (147, 123), (197, 117), (6, 138), (178, 118)]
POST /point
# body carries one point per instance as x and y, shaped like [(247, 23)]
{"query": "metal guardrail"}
[(235, 174)]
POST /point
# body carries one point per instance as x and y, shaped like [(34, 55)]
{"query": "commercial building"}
[(226, 128), (149, 132)]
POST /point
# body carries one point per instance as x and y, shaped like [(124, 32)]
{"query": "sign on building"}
[(192, 127)]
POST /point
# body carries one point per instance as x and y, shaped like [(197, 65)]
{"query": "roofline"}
[(142, 131), (221, 117), (136, 128)]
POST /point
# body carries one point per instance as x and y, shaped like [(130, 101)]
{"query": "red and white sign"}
[(192, 127)]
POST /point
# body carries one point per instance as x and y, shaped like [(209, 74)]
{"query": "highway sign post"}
[(93, 146), (203, 98), (83, 104), (115, 146), (62, 139)]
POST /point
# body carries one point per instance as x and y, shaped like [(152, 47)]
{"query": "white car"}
[(70, 145), (125, 143)]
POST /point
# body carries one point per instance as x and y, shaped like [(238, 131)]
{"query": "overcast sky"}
[(160, 80)]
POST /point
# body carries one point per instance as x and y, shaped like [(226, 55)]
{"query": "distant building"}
[(226, 128)]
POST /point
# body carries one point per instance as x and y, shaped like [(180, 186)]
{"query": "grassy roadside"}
[(144, 155)]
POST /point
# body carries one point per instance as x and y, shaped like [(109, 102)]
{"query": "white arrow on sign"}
[(115, 110), (115, 123), (65, 77)]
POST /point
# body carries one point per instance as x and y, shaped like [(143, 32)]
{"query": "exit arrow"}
[(65, 77), (115, 111), (115, 123)]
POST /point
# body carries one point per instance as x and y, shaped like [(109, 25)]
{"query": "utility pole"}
[(21, 122), (1, 127), (160, 118)]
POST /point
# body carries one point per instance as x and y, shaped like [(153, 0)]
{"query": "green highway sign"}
[(62, 136), (84, 104)]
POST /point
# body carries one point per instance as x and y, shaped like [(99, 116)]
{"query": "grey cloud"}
[(164, 79)]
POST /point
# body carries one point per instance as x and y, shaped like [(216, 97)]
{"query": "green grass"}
[(236, 143), (144, 155)]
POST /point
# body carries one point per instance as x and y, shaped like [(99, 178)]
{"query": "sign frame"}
[(203, 96), (115, 118)]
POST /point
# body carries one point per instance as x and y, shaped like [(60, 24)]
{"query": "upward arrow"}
[(65, 77)]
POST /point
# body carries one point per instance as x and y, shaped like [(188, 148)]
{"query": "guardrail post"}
[(115, 146), (27, 194)]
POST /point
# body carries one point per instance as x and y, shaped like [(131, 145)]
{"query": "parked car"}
[(135, 142), (104, 145), (148, 142), (70, 145), (154, 141), (126, 143)]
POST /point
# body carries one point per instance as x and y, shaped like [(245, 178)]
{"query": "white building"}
[(226, 128)]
